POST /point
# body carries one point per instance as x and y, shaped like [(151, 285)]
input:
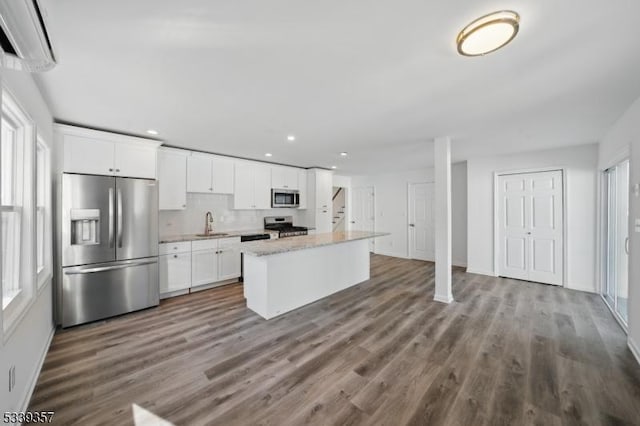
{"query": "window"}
[(43, 212), (17, 190), (11, 154)]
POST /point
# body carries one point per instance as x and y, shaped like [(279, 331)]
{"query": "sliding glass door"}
[(615, 289)]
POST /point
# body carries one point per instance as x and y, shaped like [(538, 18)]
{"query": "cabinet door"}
[(175, 272), (290, 178), (172, 179), (323, 221), (135, 161), (324, 188), (228, 259), (302, 187), (199, 177), (222, 171), (277, 177), (262, 189), (204, 267), (87, 155), (243, 187)]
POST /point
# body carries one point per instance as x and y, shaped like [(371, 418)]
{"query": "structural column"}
[(442, 161)]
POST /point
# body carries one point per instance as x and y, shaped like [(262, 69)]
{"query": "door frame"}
[(496, 220), (601, 223), (410, 234)]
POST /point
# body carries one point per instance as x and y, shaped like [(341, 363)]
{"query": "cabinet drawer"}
[(170, 248), (226, 242), (204, 244)]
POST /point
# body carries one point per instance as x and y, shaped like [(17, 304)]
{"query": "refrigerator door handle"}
[(119, 226), (85, 270), (111, 218)]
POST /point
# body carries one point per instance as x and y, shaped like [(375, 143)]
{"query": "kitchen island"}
[(284, 274)]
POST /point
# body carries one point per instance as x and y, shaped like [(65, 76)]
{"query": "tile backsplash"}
[(191, 220)]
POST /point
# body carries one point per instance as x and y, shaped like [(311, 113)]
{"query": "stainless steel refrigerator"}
[(109, 247)]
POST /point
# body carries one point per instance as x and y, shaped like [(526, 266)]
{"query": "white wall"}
[(581, 164), (623, 137), (391, 205), (27, 344)]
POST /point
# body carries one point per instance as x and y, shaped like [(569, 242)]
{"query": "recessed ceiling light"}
[(291, 138), (268, 154), (488, 33), (334, 167), (152, 132), (343, 154)]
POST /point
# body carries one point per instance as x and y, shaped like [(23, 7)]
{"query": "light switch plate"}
[(637, 226)]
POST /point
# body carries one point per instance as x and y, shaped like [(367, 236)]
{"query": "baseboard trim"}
[(634, 349), (34, 379), (480, 272), (443, 299)]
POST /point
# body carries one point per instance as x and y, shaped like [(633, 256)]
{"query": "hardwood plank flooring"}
[(380, 353)]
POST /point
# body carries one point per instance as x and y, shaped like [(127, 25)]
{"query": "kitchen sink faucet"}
[(208, 224)]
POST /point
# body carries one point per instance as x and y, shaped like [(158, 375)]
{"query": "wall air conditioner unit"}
[(24, 43)]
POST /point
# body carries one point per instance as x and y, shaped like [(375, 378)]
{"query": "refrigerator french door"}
[(109, 247)]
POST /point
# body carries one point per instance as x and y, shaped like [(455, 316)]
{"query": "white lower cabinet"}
[(192, 264), (175, 272), (204, 267), (229, 259)]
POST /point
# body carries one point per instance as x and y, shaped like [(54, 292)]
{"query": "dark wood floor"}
[(382, 353)]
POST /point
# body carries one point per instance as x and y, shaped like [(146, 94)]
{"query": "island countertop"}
[(283, 245)]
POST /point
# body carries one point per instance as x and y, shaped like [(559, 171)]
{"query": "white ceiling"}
[(377, 78)]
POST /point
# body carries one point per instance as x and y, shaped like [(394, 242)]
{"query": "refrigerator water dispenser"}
[(85, 227)]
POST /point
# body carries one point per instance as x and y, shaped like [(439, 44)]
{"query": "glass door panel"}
[(616, 282), (622, 237)]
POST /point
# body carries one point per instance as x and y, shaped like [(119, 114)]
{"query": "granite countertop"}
[(283, 245), (217, 234)]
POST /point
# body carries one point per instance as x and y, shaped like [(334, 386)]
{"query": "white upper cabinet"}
[(86, 155), (172, 177), (262, 191), (102, 153), (222, 171), (136, 161), (302, 187), (243, 195), (210, 174), (252, 186), (284, 177), (199, 177)]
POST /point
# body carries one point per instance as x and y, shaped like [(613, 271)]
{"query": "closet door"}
[(530, 222)]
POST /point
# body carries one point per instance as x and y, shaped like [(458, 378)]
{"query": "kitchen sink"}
[(213, 234)]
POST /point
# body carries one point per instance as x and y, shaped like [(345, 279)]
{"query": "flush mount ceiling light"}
[(334, 167), (291, 138), (488, 33), (268, 154), (343, 154), (152, 132)]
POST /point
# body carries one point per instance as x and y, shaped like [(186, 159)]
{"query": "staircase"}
[(338, 210)]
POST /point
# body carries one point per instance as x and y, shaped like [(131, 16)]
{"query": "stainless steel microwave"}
[(289, 198)]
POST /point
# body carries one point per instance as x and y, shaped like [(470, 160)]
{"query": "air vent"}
[(24, 40)]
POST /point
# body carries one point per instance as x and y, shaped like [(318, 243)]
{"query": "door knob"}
[(528, 233), (412, 225)]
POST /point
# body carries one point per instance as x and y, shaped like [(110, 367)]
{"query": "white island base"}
[(281, 282)]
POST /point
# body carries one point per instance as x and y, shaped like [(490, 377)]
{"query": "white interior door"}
[(421, 222), (363, 218), (531, 225)]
